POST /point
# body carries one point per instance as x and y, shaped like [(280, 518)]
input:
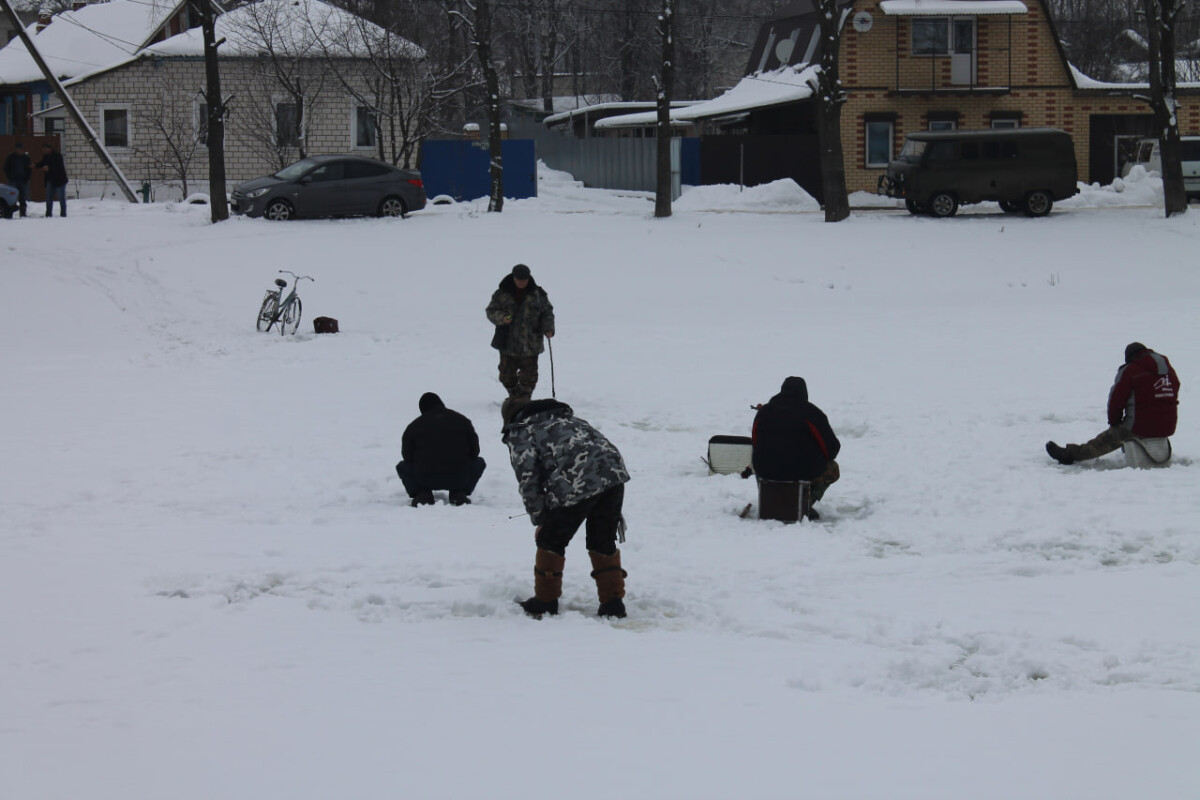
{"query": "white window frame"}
[(867, 138), (1006, 123), (102, 109), (943, 125), (948, 21), (357, 103)]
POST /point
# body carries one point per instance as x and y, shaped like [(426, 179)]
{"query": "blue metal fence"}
[(461, 169)]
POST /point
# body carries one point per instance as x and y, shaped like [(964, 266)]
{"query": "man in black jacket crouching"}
[(440, 450)]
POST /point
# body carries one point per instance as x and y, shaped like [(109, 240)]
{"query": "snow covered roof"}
[(82, 41), (600, 108), (1084, 82), (966, 8), (296, 28), (99, 37), (761, 90)]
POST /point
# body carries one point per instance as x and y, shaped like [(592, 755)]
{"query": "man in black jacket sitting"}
[(440, 450), (793, 441)]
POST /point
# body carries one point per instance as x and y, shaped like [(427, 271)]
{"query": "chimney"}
[(42, 21), (78, 4)]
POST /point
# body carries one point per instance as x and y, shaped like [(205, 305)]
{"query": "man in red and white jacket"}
[(1142, 404)]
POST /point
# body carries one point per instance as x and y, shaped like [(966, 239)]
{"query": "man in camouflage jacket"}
[(522, 314), (568, 473)]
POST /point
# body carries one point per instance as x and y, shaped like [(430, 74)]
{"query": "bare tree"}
[(172, 150), (290, 77), (481, 27), (830, 98), (214, 127), (1161, 16), (666, 88)]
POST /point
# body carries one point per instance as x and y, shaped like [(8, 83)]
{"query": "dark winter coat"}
[(1145, 396), (531, 313), (559, 460), (792, 438), (440, 441), (56, 168), (18, 168)]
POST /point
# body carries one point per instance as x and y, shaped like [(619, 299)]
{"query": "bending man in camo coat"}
[(568, 474), (522, 314)]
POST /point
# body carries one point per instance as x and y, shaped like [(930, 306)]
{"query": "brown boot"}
[(610, 583), (547, 584)]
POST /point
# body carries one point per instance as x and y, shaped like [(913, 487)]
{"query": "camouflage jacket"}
[(531, 319), (559, 460)]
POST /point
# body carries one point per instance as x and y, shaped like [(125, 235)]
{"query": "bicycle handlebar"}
[(298, 277)]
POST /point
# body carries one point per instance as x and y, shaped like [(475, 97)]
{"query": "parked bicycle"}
[(283, 312)]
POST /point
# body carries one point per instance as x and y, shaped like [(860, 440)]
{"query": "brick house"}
[(294, 92), (910, 65)]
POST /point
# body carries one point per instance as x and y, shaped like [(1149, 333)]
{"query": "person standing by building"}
[(18, 169), (522, 314), (1142, 404), (569, 475), (56, 180)]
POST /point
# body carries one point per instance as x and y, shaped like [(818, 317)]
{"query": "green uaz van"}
[(1024, 169)]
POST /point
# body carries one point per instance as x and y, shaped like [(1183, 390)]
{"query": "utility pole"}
[(218, 203), (69, 104)]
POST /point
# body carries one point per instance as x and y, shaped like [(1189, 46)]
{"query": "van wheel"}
[(1038, 203), (913, 206), (1009, 207), (943, 204)]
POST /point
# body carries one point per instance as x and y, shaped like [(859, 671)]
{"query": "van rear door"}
[(1189, 155)]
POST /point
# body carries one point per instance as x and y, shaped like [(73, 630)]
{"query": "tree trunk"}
[(217, 200), (830, 98), (666, 88), (1161, 16), (483, 48)]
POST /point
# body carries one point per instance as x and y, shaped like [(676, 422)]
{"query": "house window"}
[(879, 142), (287, 124), (1006, 123), (365, 125), (115, 126), (54, 126), (943, 36), (942, 120)]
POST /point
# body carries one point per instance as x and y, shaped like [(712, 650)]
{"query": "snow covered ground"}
[(211, 585)]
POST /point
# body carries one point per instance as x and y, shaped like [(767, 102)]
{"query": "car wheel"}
[(1009, 207), (392, 206), (1038, 203), (278, 210), (913, 206), (943, 204), (6, 210)]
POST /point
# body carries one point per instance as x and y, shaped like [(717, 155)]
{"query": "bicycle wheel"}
[(290, 319), (266, 314)]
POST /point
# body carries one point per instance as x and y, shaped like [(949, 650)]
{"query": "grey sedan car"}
[(331, 186), (8, 200)]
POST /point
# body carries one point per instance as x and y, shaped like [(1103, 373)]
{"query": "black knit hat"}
[(795, 386), (1133, 350), (430, 402), (521, 272)]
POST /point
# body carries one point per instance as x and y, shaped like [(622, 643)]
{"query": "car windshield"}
[(294, 171), (912, 150)]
